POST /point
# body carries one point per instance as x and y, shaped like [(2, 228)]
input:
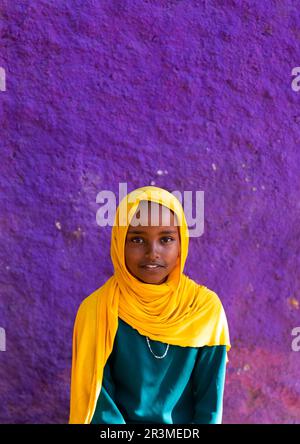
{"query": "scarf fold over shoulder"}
[(178, 312)]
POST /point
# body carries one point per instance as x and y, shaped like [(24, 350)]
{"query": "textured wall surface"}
[(186, 95)]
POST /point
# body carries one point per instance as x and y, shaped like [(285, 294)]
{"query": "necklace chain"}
[(158, 357)]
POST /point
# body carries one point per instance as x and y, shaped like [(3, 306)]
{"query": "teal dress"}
[(184, 387)]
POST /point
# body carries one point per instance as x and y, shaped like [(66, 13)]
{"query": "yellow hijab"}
[(179, 311)]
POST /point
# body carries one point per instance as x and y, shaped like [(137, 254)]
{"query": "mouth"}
[(151, 267)]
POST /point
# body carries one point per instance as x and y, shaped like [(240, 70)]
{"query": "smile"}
[(151, 267)]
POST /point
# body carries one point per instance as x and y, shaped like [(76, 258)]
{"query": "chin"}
[(155, 282)]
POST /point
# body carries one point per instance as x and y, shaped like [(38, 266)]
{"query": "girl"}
[(150, 345)]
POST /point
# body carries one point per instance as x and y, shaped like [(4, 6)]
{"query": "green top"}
[(184, 387)]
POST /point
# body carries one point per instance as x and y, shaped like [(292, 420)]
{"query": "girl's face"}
[(148, 244)]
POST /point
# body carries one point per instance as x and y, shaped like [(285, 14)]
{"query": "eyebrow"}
[(143, 232)]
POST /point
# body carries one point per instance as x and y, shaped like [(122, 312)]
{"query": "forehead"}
[(150, 213)]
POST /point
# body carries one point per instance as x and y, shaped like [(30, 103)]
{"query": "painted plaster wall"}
[(186, 95)]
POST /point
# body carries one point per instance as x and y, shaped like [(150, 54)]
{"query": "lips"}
[(152, 264), (151, 267)]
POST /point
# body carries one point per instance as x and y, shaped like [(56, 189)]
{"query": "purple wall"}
[(99, 93)]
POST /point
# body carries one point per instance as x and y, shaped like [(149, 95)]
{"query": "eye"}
[(136, 239), (168, 238), (165, 240)]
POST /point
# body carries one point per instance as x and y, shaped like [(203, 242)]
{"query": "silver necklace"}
[(158, 357)]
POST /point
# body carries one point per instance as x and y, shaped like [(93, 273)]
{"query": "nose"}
[(152, 251)]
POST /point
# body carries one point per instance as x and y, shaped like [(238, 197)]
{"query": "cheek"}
[(178, 251), (174, 253), (132, 254), (127, 254)]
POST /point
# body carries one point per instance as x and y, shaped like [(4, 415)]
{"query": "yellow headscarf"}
[(179, 311)]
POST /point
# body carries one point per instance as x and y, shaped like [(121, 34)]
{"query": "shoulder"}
[(201, 293), (209, 301), (209, 293), (85, 323), (88, 302), (208, 297), (88, 306)]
